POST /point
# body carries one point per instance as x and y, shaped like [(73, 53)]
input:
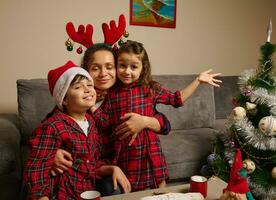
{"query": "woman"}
[(99, 61)]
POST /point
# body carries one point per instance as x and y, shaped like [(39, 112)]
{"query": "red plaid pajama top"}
[(107, 152), (56, 131), (143, 162)]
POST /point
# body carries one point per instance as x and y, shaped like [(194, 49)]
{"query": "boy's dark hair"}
[(145, 77), (93, 49)]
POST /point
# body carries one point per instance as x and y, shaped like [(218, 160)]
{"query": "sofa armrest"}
[(10, 157)]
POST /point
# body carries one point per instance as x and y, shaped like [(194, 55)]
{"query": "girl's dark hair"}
[(89, 53), (145, 77)]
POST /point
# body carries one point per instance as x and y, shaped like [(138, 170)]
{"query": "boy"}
[(68, 127)]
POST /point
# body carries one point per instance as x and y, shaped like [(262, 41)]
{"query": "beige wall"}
[(221, 34)]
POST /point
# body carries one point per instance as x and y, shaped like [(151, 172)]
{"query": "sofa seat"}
[(185, 150)]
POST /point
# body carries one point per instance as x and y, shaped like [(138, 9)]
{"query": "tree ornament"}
[(211, 158), (267, 125), (79, 50), (70, 47), (126, 34), (120, 42), (247, 93), (249, 166), (238, 113), (232, 144), (250, 106), (68, 42), (235, 102), (115, 47), (273, 173)]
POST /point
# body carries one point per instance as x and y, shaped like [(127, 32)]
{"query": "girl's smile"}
[(129, 68)]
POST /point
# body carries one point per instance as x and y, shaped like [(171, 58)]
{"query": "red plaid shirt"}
[(107, 139), (56, 131), (143, 162)]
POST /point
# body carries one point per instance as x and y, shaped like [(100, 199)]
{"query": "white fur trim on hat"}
[(64, 82)]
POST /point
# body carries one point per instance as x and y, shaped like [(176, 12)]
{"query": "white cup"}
[(90, 195)]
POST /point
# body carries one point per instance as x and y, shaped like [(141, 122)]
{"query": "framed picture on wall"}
[(159, 13)]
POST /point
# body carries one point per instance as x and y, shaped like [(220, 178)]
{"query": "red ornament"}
[(79, 50), (115, 47), (235, 102)]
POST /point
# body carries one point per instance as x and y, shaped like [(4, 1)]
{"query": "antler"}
[(112, 34), (83, 36)]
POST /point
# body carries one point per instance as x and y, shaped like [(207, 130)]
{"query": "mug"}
[(198, 184), (90, 195)]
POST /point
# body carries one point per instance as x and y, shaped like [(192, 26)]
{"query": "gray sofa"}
[(185, 148)]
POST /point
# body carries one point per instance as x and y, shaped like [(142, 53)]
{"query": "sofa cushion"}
[(198, 111), (186, 151), (34, 102)]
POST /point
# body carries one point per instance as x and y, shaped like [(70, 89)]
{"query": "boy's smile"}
[(80, 96), (129, 68)]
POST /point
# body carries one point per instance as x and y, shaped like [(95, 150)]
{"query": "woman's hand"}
[(62, 161), (118, 176), (132, 125), (207, 77), (43, 198)]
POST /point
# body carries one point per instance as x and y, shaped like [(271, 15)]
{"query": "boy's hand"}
[(62, 161), (207, 77), (118, 176)]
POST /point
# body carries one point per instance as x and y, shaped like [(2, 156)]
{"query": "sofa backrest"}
[(224, 95), (198, 111), (35, 102)]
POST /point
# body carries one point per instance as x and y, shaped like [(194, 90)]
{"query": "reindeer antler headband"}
[(83, 36)]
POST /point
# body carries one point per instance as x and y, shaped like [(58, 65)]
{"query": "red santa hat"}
[(237, 183), (59, 80)]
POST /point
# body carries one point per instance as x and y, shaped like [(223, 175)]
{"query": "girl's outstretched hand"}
[(208, 77)]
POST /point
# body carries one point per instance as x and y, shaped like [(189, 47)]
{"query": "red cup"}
[(198, 184), (90, 195)]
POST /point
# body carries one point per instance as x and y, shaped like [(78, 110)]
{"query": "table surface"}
[(215, 187)]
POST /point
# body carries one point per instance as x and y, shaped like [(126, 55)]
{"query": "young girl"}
[(143, 161), (68, 127)]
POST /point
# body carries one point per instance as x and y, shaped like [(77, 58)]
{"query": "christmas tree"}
[(251, 127)]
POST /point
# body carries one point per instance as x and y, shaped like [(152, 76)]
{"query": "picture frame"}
[(157, 13)]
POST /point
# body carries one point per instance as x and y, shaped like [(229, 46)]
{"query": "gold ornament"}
[(273, 173), (249, 166), (238, 113), (126, 34), (250, 106), (68, 42), (267, 125)]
